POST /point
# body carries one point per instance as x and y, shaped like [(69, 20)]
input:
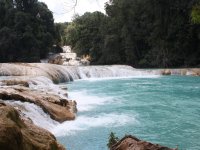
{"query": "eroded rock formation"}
[(58, 108), (20, 134), (20, 130)]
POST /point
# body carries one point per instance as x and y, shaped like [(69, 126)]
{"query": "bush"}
[(112, 140)]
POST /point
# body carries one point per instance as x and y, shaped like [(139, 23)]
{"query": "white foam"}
[(115, 71), (86, 122), (35, 113), (46, 85), (93, 79), (86, 102)]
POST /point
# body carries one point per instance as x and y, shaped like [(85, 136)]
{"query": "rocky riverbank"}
[(19, 128), (58, 108)]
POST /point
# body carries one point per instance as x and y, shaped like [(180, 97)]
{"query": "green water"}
[(163, 110)]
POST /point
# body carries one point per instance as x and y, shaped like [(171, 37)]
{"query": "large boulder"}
[(132, 143), (58, 108), (19, 134)]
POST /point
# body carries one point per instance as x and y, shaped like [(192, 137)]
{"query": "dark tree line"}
[(27, 30), (142, 33)]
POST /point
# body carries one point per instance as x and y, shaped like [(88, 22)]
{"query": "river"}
[(159, 109)]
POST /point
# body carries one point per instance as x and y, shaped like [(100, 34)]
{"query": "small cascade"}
[(59, 73), (114, 71), (35, 113), (45, 84), (86, 122)]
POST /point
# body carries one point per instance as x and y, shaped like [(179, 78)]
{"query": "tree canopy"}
[(196, 14), (142, 33), (27, 30)]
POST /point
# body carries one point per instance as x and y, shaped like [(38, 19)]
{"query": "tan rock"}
[(16, 134), (15, 82), (132, 143), (166, 72), (58, 108)]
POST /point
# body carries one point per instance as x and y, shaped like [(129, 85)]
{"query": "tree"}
[(196, 14), (141, 33), (84, 34), (27, 30)]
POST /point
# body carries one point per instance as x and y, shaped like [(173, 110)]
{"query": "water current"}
[(159, 109)]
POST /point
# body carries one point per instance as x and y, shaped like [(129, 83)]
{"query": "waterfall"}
[(35, 113), (58, 73), (113, 71)]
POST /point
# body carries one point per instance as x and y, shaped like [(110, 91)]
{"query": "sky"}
[(63, 12)]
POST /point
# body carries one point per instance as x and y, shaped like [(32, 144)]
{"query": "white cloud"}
[(62, 9)]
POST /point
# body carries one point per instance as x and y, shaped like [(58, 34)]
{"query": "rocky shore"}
[(20, 129), (17, 133), (58, 108)]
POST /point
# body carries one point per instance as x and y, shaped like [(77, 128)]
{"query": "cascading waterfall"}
[(113, 71), (58, 73), (35, 113)]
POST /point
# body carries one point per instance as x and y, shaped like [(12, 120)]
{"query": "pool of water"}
[(160, 109)]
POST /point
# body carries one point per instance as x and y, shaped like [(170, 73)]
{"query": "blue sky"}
[(62, 9)]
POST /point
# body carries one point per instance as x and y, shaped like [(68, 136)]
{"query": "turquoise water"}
[(163, 110)]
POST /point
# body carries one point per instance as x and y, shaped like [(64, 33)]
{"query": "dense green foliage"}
[(60, 34), (142, 33), (86, 35), (196, 14), (27, 30)]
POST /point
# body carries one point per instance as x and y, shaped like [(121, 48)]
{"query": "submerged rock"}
[(132, 143), (20, 134), (58, 108)]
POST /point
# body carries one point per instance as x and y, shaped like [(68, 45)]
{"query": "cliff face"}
[(20, 134)]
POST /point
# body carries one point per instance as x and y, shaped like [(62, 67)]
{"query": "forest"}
[(140, 33), (27, 30)]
